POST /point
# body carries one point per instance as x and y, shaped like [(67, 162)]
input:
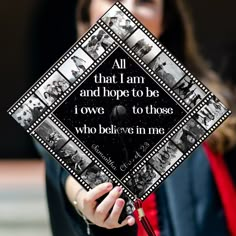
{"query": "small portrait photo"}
[(94, 176), (142, 180), (211, 113), (166, 69), (29, 111), (188, 135), (74, 157), (143, 46), (97, 44), (52, 134), (129, 205), (75, 66), (52, 88), (166, 157), (190, 92), (118, 22)]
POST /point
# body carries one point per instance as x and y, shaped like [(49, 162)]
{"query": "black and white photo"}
[(94, 176), (29, 111), (118, 22), (189, 91), (211, 112), (52, 88), (96, 45), (75, 66), (143, 46), (52, 134), (166, 69), (166, 157), (142, 180), (129, 206), (188, 135), (74, 157)]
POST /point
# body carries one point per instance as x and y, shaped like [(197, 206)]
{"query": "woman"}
[(188, 202)]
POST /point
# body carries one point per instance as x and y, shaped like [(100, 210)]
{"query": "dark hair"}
[(44, 94), (178, 38)]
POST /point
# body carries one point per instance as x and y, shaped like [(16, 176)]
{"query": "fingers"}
[(107, 213), (97, 192), (88, 200), (104, 207), (130, 220), (112, 220), (115, 213)]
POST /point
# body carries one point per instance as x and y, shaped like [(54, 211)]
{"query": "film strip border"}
[(52, 121), (184, 154), (33, 93), (162, 51)]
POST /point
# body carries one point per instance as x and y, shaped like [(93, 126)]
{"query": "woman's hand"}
[(99, 213)]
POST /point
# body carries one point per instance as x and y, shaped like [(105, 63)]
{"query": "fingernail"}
[(109, 186), (120, 203), (130, 220), (118, 189)]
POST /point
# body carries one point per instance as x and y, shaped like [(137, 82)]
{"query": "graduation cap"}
[(119, 111)]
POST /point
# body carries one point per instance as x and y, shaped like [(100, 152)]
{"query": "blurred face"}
[(191, 139), (91, 176), (191, 123), (148, 12)]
